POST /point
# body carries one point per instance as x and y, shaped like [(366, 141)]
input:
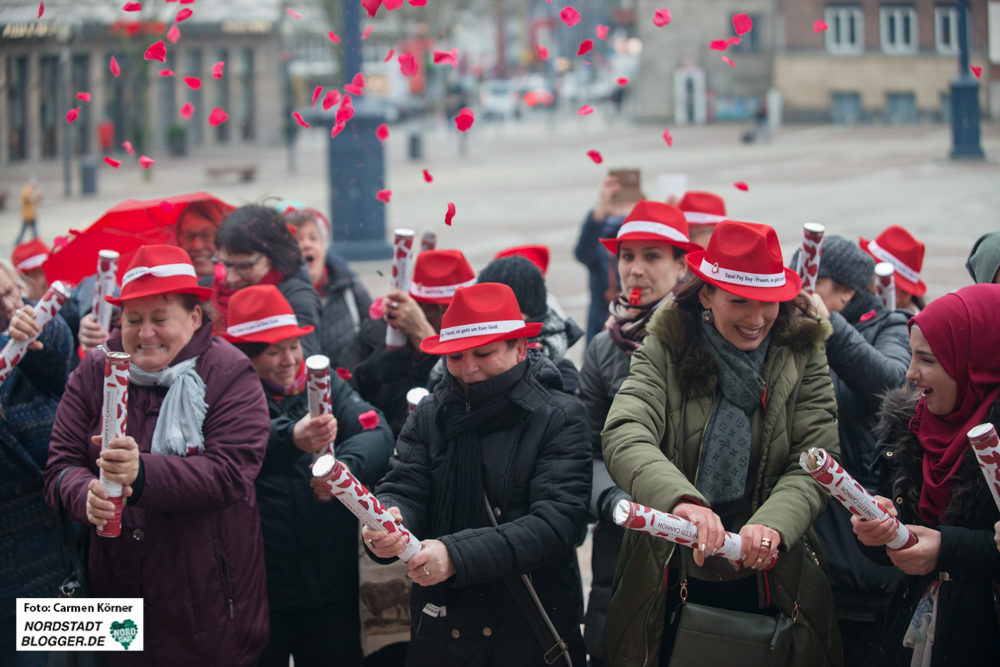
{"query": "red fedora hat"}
[(438, 273), (536, 254), (260, 314), (744, 258), (906, 254), (30, 255), (653, 221), (702, 208), (479, 315), (159, 269)]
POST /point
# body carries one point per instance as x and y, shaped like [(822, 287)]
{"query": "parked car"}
[(499, 99)]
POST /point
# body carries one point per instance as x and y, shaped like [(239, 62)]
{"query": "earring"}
[(708, 316)]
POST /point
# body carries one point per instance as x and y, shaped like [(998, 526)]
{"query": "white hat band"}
[(703, 218), (901, 268), (253, 326), (742, 278), (161, 271), (438, 291), (480, 329), (652, 228), (32, 262)]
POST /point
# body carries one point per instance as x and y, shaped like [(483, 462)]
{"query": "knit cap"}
[(844, 262), (984, 260), (523, 278)]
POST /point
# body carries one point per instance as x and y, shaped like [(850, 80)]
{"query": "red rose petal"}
[(389, 55), (113, 162), (418, 3), (367, 32), (569, 16), (353, 90), (623, 81), (371, 6), (820, 26), (157, 51), (382, 132), (146, 162), (376, 310), (601, 31), (662, 17), (543, 52), (217, 117), (83, 97), (742, 23), (298, 119), (165, 72), (586, 46), (668, 138), (446, 57), (127, 145), (115, 69), (174, 34), (183, 15), (316, 93), (734, 40), (359, 80), (427, 176), (193, 82), (407, 64), (344, 374), (217, 69), (132, 7), (344, 114), (333, 37), (294, 14), (464, 120), (585, 110), (531, 98), (71, 115), (595, 156), (336, 130), (331, 99), (719, 45), (740, 185), (729, 61), (449, 214), (41, 9), (384, 195), (369, 420), (187, 110), (977, 70)]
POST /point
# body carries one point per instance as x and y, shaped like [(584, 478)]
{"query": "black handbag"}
[(72, 550)]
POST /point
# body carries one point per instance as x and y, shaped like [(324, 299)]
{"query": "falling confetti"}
[(157, 51), (83, 97), (543, 52), (174, 34), (127, 145), (449, 214), (165, 72), (113, 162), (71, 115), (383, 195), (333, 37), (193, 82), (531, 98), (662, 17), (742, 23), (132, 7), (344, 114), (359, 80), (41, 9), (187, 110), (371, 6), (464, 120), (146, 162), (353, 90), (729, 61), (740, 185), (369, 420), (217, 117), (115, 69), (392, 5), (585, 110), (418, 3), (446, 57), (820, 26), (344, 374), (427, 176), (977, 70), (316, 93), (217, 69), (389, 55), (586, 46), (183, 15), (336, 130), (734, 40), (667, 137), (545, 97), (569, 16), (294, 14), (382, 132), (331, 100), (367, 32), (595, 156), (623, 81), (298, 119), (601, 31), (719, 45), (407, 64)]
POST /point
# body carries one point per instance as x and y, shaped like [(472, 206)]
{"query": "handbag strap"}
[(525, 596), (66, 543)]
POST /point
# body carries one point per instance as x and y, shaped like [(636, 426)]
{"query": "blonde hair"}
[(14, 275)]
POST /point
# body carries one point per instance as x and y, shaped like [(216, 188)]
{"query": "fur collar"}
[(894, 433), (676, 330)]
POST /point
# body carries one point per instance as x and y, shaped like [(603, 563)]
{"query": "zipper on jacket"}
[(468, 407), (227, 584), (645, 627)]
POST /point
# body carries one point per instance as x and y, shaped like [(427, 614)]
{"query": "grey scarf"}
[(725, 451), (178, 428)]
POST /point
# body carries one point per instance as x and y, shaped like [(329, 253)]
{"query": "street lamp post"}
[(964, 97)]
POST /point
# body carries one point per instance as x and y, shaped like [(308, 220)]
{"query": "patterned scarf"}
[(280, 391), (725, 451), (627, 323)]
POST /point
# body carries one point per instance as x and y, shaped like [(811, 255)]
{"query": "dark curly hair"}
[(253, 228), (687, 300)]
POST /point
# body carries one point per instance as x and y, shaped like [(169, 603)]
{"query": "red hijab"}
[(963, 330)]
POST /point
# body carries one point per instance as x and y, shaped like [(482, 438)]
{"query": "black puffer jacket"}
[(311, 548), (866, 360), (344, 304), (968, 621), (537, 475)]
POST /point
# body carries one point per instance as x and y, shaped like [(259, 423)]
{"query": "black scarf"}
[(466, 417), (861, 303)]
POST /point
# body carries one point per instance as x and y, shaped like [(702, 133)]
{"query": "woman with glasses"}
[(255, 247)]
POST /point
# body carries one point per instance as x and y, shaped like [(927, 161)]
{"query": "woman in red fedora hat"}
[(650, 247), (312, 584), (728, 389), (898, 247), (493, 475), (383, 376), (197, 430), (703, 211)]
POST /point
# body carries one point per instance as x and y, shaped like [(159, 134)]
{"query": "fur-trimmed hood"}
[(677, 331), (903, 449)]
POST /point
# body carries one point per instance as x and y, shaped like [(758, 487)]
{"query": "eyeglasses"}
[(12, 295), (241, 268), (207, 237)]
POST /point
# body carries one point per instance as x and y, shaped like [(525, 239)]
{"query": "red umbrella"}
[(124, 228)]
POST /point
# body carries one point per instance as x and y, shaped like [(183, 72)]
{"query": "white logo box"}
[(86, 624)]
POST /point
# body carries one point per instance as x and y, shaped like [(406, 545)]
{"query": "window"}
[(749, 41), (900, 108), (845, 108), (899, 30), (846, 34), (946, 30)]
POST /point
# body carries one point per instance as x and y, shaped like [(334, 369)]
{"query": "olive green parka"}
[(652, 445)]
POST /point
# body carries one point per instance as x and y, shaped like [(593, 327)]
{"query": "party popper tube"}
[(845, 489), (428, 241), (986, 445), (107, 267), (675, 529), (414, 396), (347, 489), (809, 255), (885, 284), (50, 304), (402, 265), (318, 387), (115, 413)]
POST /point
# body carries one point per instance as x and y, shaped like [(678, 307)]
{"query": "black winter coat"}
[(311, 547), (302, 297), (537, 475), (968, 617), (344, 304), (866, 360)]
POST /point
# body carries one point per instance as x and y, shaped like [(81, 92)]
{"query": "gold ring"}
[(760, 560), (765, 542)]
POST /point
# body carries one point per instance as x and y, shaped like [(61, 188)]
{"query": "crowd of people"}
[(708, 372)]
